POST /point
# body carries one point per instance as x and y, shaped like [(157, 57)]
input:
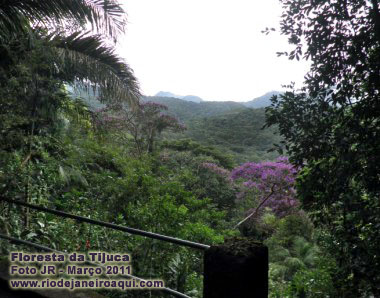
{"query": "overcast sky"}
[(210, 48)]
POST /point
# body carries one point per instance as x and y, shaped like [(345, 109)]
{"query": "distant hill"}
[(186, 110), (262, 101), (167, 94), (192, 98), (230, 126), (238, 133), (256, 103)]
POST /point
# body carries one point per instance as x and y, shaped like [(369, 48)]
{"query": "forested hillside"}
[(239, 133), (194, 171), (229, 126), (186, 110)]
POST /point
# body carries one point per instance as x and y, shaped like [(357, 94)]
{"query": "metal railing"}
[(169, 239), (45, 248), (111, 225)]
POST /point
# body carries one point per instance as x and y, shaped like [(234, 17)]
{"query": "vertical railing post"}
[(236, 269)]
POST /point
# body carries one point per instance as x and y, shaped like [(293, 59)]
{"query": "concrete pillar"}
[(236, 269)]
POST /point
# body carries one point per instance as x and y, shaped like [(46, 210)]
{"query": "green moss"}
[(240, 246)]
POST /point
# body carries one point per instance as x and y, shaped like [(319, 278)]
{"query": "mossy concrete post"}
[(236, 269)]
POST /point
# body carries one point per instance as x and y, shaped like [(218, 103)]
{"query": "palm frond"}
[(306, 251), (89, 60), (106, 16)]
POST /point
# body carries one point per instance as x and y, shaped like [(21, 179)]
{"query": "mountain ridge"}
[(261, 101), (256, 103), (191, 98)]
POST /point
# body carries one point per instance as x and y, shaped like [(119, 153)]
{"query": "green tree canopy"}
[(331, 128)]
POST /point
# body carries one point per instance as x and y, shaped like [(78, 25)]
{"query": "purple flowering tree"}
[(144, 123), (271, 182)]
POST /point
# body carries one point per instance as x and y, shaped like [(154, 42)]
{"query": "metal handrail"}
[(112, 226), (45, 248)]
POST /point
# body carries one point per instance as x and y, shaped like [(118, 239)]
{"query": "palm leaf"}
[(306, 251), (89, 60), (106, 16)]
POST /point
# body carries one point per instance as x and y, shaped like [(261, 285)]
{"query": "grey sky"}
[(210, 48)]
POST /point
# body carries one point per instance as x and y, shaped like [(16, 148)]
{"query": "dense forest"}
[(78, 136), (230, 127)]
